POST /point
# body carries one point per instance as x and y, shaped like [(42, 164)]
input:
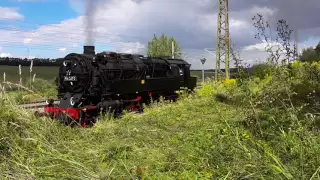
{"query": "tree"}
[(317, 49), (310, 54), (235, 55), (162, 46)]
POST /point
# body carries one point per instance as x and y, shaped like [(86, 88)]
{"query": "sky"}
[(54, 28)]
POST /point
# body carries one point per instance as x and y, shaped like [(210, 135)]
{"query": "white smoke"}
[(89, 21)]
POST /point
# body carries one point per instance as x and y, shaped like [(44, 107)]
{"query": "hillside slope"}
[(230, 130)]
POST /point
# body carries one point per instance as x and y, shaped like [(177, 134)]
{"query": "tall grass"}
[(250, 128), (38, 88)]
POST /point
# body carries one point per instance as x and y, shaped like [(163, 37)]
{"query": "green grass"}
[(252, 128), (198, 74)]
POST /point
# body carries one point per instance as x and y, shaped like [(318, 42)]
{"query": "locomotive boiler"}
[(91, 84)]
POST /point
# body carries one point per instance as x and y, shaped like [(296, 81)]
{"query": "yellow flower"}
[(230, 83), (296, 64), (316, 65), (207, 90)]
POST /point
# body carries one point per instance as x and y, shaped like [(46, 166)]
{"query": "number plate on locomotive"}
[(70, 78)]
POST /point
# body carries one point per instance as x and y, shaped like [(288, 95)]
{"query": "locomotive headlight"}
[(66, 63)]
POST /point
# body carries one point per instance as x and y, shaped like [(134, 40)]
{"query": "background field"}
[(49, 72), (43, 72)]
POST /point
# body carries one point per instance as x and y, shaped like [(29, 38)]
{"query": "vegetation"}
[(40, 90), (12, 61), (256, 128), (162, 46), (311, 54)]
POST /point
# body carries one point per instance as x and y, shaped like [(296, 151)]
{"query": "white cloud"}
[(262, 46), (27, 40), (5, 55), (75, 45), (62, 49), (26, 57), (7, 13), (128, 25), (264, 11)]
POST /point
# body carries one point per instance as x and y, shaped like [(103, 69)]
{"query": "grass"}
[(198, 74), (251, 128)]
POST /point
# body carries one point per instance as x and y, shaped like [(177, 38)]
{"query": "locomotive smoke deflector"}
[(89, 50)]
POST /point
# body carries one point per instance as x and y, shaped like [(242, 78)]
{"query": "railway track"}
[(38, 106)]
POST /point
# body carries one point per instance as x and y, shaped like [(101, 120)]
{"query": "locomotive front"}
[(75, 76), (74, 80)]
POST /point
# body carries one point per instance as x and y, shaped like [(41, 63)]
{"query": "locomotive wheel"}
[(86, 120), (65, 119)]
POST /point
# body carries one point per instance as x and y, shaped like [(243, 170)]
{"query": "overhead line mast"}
[(223, 38)]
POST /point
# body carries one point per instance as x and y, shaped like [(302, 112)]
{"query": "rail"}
[(40, 104)]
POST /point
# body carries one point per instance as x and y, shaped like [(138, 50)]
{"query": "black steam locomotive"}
[(110, 82)]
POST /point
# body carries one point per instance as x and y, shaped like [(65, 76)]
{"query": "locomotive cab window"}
[(181, 71), (175, 70)]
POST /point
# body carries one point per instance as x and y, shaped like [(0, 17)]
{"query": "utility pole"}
[(223, 44), (203, 60), (172, 46)]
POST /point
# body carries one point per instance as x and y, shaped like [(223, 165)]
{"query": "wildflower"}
[(230, 83), (34, 77), (20, 70), (31, 65)]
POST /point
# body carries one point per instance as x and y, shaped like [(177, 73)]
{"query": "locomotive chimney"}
[(89, 50)]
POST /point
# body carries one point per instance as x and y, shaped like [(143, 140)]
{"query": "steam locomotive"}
[(108, 82)]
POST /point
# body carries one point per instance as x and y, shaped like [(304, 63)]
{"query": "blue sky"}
[(42, 12), (29, 15), (34, 14)]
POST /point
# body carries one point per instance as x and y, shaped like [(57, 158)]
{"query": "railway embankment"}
[(263, 127)]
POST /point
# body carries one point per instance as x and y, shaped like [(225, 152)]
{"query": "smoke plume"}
[(90, 6)]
